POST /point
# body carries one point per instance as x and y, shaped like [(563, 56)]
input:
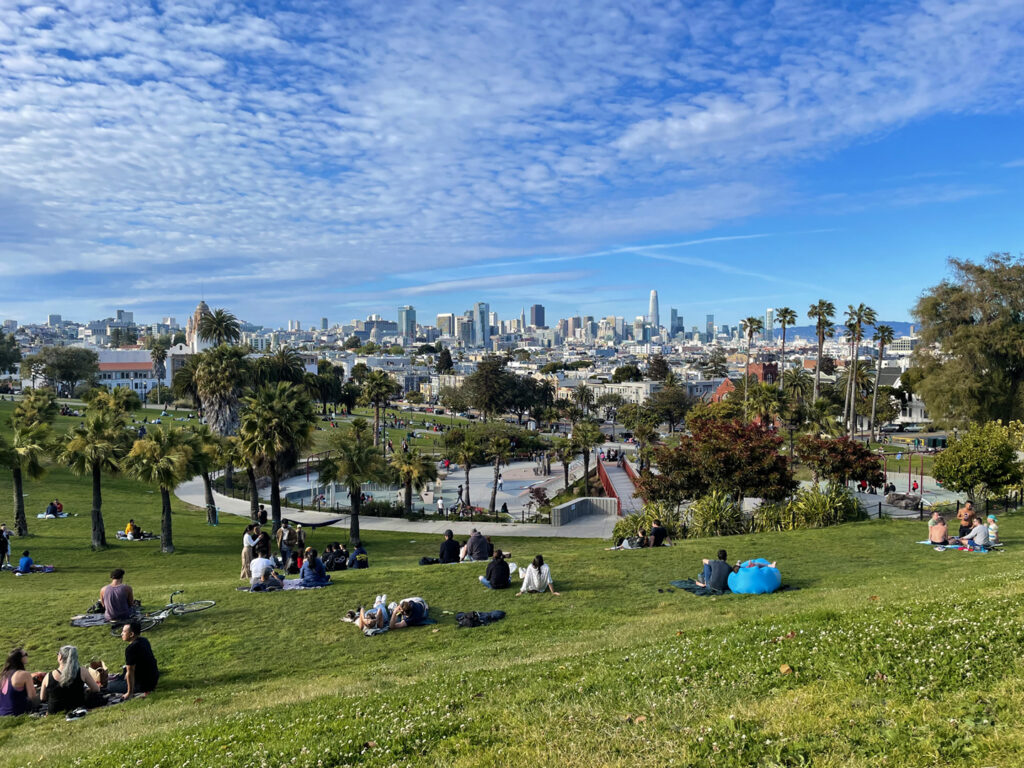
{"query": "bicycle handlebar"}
[(179, 592)]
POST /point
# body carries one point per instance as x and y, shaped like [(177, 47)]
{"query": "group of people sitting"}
[(71, 688), (973, 533), (53, 510), (658, 537), (715, 573), (477, 548)]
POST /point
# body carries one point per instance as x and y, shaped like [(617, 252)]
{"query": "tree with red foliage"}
[(729, 456), (840, 460)]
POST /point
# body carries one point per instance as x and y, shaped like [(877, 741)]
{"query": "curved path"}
[(590, 527)]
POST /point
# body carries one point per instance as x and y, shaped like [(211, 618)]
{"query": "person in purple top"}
[(117, 597), (17, 693)]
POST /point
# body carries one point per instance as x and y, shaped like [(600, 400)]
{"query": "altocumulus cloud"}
[(363, 139)]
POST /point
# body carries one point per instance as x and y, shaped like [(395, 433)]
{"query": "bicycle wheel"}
[(198, 605)]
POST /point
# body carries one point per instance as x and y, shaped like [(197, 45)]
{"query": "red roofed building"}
[(135, 375)]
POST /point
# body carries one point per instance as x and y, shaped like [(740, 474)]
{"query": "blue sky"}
[(299, 160)]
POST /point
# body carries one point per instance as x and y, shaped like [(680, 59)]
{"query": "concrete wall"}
[(571, 510)]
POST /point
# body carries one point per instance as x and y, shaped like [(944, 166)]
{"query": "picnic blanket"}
[(959, 547), (44, 516), (689, 585), (289, 586), (88, 620), (45, 569), (122, 536)]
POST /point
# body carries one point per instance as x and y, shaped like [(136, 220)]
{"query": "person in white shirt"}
[(536, 577), (258, 567), (248, 542)]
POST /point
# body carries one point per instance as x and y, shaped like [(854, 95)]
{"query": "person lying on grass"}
[(409, 613), (938, 532), (536, 577)]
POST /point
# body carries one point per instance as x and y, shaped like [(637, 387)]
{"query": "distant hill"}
[(809, 332)]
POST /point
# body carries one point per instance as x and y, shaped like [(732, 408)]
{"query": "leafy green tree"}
[(970, 353), (183, 383), (766, 402), (219, 327), (444, 362), (415, 397), (426, 349), (657, 368), (276, 425), (94, 449), (119, 400), (353, 460), (583, 397), (415, 471), (724, 410), (610, 403), (981, 461), (161, 458), (23, 455), (284, 364), (840, 460), (487, 387), (751, 326), (454, 399), (565, 451), (158, 354), (10, 353), (179, 338), (628, 372), (823, 314), (359, 373), (38, 406), (586, 436), (378, 390), (64, 367), (786, 318), (221, 374), (716, 366), (671, 404), (396, 349), (464, 448), (352, 342)]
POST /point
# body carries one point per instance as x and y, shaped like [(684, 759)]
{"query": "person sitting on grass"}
[(938, 532), (313, 573), (132, 530), (476, 547), (118, 598), (498, 575), (536, 577), (993, 530), (17, 693), (141, 672), (449, 548), (659, 535), (27, 564), (977, 538), (716, 573), (359, 558), (410, 612), (258, 569), (64, 688)]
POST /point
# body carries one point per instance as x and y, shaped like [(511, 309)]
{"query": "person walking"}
[(286, 541)]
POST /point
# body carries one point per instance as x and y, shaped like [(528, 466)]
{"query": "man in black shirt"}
[(498, 575), (449, 549), (716, 573), (659, 534), (141, 671)]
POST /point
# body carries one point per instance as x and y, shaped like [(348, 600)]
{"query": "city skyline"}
[(512, 155)]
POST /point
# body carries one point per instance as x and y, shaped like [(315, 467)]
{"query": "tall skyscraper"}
[(675, 322), (769, 323), (323, 323), (482, 324), (446, 324), (709, 327), (537, 316), (522, 320), (652, 313), (407, 321)]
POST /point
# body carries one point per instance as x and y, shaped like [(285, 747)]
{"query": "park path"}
[(630, 503), (589, 527)]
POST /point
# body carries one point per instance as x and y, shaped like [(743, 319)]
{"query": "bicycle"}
[(150, 619)]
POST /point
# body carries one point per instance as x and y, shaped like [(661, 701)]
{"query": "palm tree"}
[(183, 383), (23, 455), (158, 354), (206, 454), (233, 454), (583, 397), (799, 384), (378, 390), (499, 448), (766, 402), (219, 378), (353, 460), (822, 418), (162, 458), (786, 317), (565, 452), (823, 313), (93, 449), (283, 365), (39, 406), (856, 318), (610, 402), (750, 326), (884, 335), (219, 327), (276, 426), (467, 453), (415, 471), (586, 436)]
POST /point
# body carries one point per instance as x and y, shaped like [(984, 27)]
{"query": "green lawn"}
[(429, 443), (899, 655)]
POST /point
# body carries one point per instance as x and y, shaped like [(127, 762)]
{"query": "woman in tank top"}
[(17, 693)]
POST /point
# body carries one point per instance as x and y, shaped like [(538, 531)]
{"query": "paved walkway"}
[(624, 488), (590, 527)]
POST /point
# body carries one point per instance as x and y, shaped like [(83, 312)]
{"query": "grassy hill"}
[(899, 655)]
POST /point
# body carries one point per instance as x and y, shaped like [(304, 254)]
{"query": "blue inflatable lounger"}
[(753, 580)]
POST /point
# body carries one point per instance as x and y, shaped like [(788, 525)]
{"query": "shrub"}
[(668, 514), (773, 517), (817, 508), (382, 509), (715, 514)]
